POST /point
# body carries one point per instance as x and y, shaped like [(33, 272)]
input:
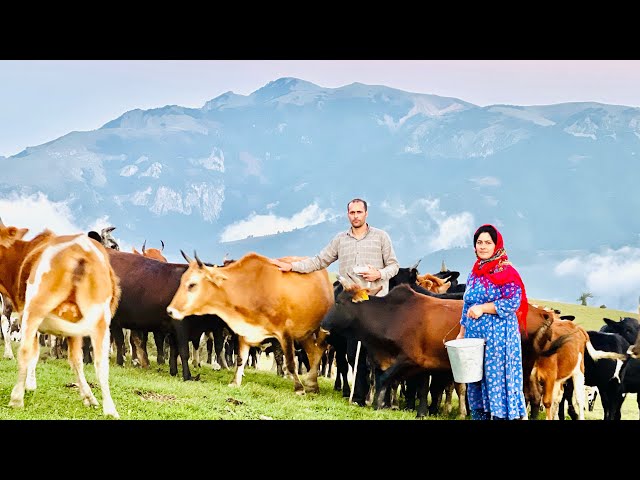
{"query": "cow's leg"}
[(578, 393), (31, 383), (8, 352), (194, 353), (411, 392), (448, 392), (278, 357), (128, 346), (241, 360), (556, 388), (173, 354), (183, 349), (77, 366), (314, 354), (158, 338), (218, 348), (28, 348), (118, 340), (461, 390), (421, 381), (86, 350), (289, 357), (439, 380), (138, 341), (100, 342), (209, 342)]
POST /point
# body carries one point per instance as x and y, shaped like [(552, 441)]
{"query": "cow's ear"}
[(608, 321), (215, 277)]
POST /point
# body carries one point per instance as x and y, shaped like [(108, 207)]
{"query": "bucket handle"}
[(444, 340)]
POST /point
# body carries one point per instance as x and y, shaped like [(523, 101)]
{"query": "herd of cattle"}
[(70, 289)]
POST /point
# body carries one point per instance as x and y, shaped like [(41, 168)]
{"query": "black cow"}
[(148, 287), (614, 379)]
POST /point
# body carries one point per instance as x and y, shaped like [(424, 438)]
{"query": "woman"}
[(495, 306)]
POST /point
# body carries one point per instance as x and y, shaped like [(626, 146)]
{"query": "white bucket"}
[(466, 356)]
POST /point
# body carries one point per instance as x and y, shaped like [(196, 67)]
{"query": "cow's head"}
[(342, 314), (10, 235), (107, 239), (432, 283), (627, 327), (198, 285)]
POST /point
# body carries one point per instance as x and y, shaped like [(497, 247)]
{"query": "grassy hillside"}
[(154, 394)]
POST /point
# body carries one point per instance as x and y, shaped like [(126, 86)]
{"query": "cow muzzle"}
[(173, 313)]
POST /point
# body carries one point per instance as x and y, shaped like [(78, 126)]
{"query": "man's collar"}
[(350, 231)]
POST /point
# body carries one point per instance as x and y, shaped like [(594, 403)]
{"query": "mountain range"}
[(273, 171)]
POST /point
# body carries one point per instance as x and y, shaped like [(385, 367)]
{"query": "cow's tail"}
[(600, 354), (542, 335), (556, 344), (115, 299)]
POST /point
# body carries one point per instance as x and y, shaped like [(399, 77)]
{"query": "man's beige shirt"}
[(373, 249)]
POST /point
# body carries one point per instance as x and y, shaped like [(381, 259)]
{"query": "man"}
[(365, 252)]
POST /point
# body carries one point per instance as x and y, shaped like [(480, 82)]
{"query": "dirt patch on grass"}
[(155, 397)]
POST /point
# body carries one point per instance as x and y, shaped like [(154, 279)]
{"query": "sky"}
[(41, 100)]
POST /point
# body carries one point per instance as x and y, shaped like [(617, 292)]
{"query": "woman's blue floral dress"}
[(500, 392)]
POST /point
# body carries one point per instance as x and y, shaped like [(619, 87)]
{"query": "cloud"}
[(36, 212), (612, 276), (261, 225), (486, 181), (437, 230), (454, 231)]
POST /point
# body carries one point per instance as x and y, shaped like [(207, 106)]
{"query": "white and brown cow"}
[(561, 346), (258, 301), (61, 285)]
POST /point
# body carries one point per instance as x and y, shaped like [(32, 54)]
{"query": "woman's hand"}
[(476, 311)]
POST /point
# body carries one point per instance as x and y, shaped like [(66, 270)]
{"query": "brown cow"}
[(61, 285), (404, 332), (259, 301), (151, 252), (138, 338), (432, 283), (561, 345)]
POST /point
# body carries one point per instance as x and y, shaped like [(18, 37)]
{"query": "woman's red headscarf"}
[(499, 271)]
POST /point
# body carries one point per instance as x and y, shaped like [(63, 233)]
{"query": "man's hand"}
[(371, 275), (283, 266)]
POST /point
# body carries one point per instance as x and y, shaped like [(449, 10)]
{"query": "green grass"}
[(155, 395)]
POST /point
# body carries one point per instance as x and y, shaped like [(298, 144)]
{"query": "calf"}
[(561, 348), (62, 285)]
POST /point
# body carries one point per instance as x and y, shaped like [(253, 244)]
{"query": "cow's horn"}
[(415, 267), (162, 249), (200, 264), (2, 223), (143, 245), (343, 281), (185, 257)]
